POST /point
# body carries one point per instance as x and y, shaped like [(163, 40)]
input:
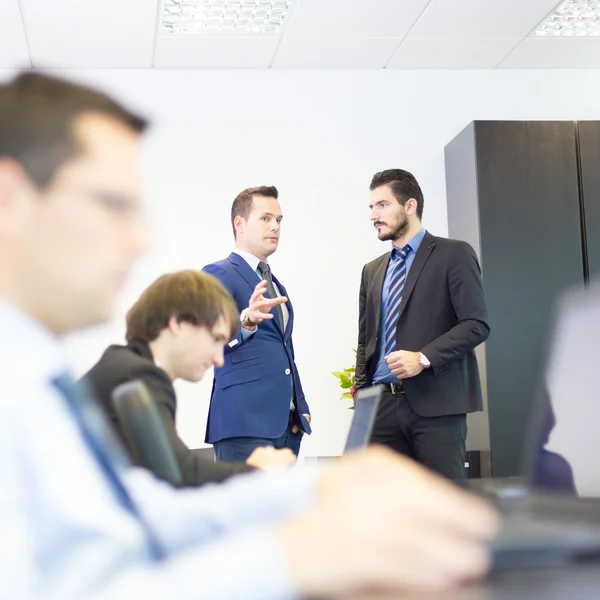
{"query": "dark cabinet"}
[(526, 195)]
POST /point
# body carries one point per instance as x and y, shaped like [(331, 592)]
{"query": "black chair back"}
[(143, 429)]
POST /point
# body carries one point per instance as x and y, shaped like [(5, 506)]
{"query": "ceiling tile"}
[(13, 52), (92, 53), (481, 18), (538, 53), (10, 19), (186, 52), (334, 53), (82, 18), (451, 53), (13, 44), (364, 18)]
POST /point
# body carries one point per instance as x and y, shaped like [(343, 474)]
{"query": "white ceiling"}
[(318, 34)]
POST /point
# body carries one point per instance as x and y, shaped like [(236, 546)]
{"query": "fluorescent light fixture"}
[(217, 17), (572, 18)]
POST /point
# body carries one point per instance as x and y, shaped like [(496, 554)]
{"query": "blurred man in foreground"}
[(75, 520)]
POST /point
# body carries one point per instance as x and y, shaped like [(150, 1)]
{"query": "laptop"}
[(552, 516), (366, 403)]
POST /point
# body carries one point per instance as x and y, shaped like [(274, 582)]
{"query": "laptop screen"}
[(572, 381), (366, 402)]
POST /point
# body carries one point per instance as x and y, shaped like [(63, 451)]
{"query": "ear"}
[(14, 196), (174, 326), (410, 206), (239, 223), (11, 176)]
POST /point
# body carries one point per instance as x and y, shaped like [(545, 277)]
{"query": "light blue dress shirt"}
[(383, 373), (64, 535)]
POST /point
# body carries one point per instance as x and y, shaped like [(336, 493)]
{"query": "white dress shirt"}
[(63, 534)]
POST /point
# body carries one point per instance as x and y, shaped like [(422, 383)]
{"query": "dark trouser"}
[(240, 448), (436, 442)]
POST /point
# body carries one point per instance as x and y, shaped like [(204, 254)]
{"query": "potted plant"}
[(346, 379)]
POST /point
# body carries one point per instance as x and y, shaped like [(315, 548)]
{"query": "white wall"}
[(319, 137)]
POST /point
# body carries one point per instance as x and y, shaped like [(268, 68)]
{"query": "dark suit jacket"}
[(443, 315), (134, 361), (252, 390)]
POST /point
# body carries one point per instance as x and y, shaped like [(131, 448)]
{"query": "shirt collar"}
[(249, 258), (415, 241)]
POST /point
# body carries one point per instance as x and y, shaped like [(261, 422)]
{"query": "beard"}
[(395, 232)]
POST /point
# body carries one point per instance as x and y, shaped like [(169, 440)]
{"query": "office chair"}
[(143, 429)]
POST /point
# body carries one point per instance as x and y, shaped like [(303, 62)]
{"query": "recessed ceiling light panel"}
[(572, 18), (217, 17)]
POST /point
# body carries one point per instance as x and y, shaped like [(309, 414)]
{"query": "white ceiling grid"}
[(317, 34)]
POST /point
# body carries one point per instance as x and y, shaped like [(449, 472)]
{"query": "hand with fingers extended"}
[(382, 523), (259, 306)]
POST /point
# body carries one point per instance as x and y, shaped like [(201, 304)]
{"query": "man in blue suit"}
[(257, 397)]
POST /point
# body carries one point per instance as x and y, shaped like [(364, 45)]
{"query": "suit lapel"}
[(378, 279), (244, 269), (421, 257)]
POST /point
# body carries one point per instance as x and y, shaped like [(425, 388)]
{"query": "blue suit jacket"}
[(251, 392)]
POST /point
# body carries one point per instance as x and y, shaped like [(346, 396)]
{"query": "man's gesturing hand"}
[(259, 307)]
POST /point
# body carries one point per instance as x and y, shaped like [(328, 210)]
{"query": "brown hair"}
[(37, 113), (191, 296), (242, 205)]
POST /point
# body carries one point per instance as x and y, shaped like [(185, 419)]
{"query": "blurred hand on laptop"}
[(383, 523), (267, 458)]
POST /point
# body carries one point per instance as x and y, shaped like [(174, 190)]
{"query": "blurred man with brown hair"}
[(177, 330)]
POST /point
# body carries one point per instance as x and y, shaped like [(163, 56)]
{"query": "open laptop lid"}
[(366, 403), (564, 436)]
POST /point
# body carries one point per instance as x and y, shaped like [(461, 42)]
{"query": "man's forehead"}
[(382, 191), (265, 204), (96, 129), (106, 147)]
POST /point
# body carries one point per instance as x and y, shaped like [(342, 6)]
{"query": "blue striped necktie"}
[(394, 297)]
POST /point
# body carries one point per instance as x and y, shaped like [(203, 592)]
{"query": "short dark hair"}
[(190, 296), (37, 113), (403, 185), (242, 205)]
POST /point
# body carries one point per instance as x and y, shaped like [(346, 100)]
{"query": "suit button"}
[(287, 371)]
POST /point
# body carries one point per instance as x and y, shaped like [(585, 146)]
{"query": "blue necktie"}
[(394, 298), (104, 446)]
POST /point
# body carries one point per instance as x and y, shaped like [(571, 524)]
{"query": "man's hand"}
[(267, 458), (404, 364), (296, 429), (259, 307), (382, 523)]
